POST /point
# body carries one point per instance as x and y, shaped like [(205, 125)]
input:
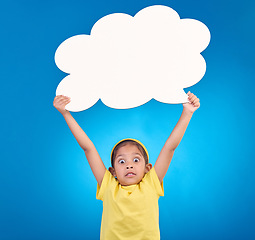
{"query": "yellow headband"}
[(131, 139)]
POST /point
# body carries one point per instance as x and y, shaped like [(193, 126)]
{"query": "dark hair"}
[(124, 143)]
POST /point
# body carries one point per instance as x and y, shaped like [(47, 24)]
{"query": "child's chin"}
[(131, 182)]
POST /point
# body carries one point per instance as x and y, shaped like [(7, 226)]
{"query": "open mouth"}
[(130, 174)]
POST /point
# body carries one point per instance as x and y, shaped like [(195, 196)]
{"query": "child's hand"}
[(193, 104), (60, 102)]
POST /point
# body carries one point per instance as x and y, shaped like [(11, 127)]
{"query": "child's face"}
[(129, 165)]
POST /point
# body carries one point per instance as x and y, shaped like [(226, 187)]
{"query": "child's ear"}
[(148, 167), (112, 171)]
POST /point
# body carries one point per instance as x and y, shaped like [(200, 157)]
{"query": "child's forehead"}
[(128, 149)]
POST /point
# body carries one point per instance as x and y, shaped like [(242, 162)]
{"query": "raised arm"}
[(167, 152), (95, 162)]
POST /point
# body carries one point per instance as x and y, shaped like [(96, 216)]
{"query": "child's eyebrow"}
[(121, 155), (137, 154)]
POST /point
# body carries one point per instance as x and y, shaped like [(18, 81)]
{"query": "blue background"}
[(47, 190)]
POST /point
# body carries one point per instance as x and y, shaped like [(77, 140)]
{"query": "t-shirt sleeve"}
[(152, 177), (105, 183)]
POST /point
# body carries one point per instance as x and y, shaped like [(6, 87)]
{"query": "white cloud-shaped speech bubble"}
[(126, 61)]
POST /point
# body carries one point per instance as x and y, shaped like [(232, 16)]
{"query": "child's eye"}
[(136, 160), (121, 161)]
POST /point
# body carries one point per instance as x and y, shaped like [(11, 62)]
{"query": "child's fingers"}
[(67, 101), (190, 94), (61, 98), (64, 101), (196, 104), (61, 101), (57, 98), (196, 100), (192, 98)]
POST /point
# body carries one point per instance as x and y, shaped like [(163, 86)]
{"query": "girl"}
[(130, 189)]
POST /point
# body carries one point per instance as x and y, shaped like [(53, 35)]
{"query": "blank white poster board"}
[(126, 61)]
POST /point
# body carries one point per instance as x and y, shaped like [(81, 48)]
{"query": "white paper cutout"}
[(126, 61)]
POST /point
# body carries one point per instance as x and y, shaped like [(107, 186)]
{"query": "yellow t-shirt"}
[(130, 212)]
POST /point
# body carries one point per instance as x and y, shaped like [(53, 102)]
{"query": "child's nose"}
[(129, 166)]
